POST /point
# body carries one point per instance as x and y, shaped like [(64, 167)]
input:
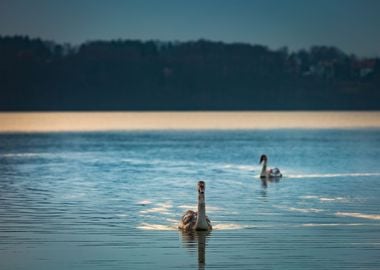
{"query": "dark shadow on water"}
[(197, 240)]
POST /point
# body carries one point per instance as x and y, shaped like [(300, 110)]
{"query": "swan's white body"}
[(198, 221), (271, 173)]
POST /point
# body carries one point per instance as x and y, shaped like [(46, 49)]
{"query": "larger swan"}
[(196, 221), (271, 173)]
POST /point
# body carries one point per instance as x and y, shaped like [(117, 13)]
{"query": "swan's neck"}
[(264, 169), (201, 223)]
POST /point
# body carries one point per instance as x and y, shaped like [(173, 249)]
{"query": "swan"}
[(271, 173), (196, 221)]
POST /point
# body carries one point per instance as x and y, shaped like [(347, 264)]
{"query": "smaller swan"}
[(271, 173), (196, 221)]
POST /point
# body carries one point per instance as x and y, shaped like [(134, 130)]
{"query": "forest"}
[(40, 75)]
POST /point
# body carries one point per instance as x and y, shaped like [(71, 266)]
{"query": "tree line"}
[(197, 75)]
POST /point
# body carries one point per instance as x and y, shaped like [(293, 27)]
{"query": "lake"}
[(113, 199), (116, 121)]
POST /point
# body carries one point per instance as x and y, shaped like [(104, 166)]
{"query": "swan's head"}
[(263, 158), (201, 187)]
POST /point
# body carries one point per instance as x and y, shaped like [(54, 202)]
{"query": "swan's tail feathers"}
[(275, 172)]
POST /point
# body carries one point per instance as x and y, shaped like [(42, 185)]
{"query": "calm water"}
[(112, 200)]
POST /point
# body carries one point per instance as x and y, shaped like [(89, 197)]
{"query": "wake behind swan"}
[(332, 175)]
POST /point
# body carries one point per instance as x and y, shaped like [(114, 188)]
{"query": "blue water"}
[(112, 200)]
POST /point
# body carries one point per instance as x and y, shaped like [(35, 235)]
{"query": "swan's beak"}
[(262, 158), (201, 187)]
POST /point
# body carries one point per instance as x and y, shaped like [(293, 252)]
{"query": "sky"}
[(351, 25)]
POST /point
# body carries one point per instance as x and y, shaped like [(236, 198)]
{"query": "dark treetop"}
[(200, 75)]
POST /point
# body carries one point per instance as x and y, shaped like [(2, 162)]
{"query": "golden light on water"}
[(104, 121)]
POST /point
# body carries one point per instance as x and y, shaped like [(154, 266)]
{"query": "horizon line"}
[(140, 121), (179, 41)]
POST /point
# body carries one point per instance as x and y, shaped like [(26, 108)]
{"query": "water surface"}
[(112, 200), (116, 121)]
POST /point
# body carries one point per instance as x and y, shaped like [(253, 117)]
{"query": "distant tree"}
[(197, 75)]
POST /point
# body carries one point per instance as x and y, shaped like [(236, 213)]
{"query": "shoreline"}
[(185, 120)]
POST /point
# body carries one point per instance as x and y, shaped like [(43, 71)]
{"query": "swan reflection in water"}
[(196, 239), (264, 185), (265, 181)]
